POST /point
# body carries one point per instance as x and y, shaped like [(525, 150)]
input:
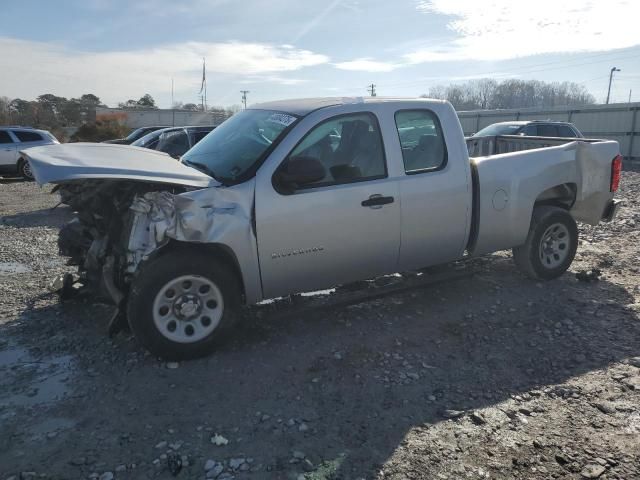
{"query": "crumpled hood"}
[(76, 161)]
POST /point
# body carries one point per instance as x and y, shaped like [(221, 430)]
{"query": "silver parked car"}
[(15, 139)]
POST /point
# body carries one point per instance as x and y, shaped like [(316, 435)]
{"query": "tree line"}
[(61, 115), (57, 114), (489, 94)]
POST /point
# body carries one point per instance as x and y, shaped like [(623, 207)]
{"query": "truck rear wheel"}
[(180, 303), (550, 246)]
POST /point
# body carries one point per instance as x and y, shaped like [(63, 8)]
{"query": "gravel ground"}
[(488, 376)]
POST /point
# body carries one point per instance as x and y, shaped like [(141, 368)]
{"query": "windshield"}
[(500, 129), (238, 145), (150, 140), (136, 133)]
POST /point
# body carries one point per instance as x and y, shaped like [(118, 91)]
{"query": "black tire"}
[(150, 281), (24, 170), (530, 257)]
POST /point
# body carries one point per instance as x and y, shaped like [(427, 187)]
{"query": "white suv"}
[(15, 139)]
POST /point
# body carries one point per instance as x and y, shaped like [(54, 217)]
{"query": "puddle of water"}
[(11, 356), (10, 268), (27, 381), (48, 426)]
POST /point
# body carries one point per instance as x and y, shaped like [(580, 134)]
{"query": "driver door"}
[(341, 228)]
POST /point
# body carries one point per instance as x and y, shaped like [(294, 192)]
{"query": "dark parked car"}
[(532, 128), (173, 140), (135, 135)]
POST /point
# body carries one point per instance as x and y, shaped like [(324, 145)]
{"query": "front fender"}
[(212, 216)]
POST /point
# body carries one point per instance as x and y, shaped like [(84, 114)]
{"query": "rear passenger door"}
[(435, 192), (8, 149)]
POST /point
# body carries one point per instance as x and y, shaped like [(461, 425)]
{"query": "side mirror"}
[(299, 171)]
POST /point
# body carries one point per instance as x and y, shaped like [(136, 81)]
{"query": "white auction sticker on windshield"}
[(281, 119)]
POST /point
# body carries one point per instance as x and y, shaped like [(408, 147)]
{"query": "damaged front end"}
[(96, 240), (122, 224)]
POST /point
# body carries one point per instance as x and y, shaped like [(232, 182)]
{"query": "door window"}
[(547, 130), (566, 131), (349, 147), (4, 137), (27, 136), (174, 143), (199, 135), (421, 139), (530, 131)]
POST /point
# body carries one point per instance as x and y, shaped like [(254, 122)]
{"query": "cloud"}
[(493, 30), (367, 65), (37, 68), (504, 29)]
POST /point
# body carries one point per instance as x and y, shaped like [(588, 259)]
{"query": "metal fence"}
[(135, 118), (617, 121)]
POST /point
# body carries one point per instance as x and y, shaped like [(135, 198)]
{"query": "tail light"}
[(616, 168)]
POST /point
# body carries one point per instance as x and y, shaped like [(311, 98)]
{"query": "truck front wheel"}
[(180, 302), (550, 246)]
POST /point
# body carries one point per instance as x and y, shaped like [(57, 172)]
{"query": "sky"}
[(121, 49)]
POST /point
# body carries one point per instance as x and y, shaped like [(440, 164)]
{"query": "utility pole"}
[(173, 107), (244, 97), (203, 86), (614, 69), (629, 95), (372, 89)]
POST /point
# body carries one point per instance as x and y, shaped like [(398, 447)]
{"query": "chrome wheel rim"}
[(188, 308), (554, 245)]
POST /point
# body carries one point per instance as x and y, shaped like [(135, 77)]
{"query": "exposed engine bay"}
[(97, 239)]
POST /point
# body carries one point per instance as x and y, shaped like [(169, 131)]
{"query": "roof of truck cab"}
[(304, 106), (527, 122)]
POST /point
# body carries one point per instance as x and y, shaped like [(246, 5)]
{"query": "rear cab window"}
[(421, 140), (27, 136)]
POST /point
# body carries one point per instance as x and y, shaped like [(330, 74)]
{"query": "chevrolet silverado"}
[(302, 195)]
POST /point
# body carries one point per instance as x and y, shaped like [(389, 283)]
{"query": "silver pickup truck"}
[(303, 195)]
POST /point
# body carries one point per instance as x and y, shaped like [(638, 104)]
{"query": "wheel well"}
[(563, 196), (222, 252)]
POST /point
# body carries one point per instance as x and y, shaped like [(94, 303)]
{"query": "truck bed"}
[(508, 184)]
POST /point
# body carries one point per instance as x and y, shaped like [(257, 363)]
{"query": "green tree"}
[(23, 112), (147, 101)]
